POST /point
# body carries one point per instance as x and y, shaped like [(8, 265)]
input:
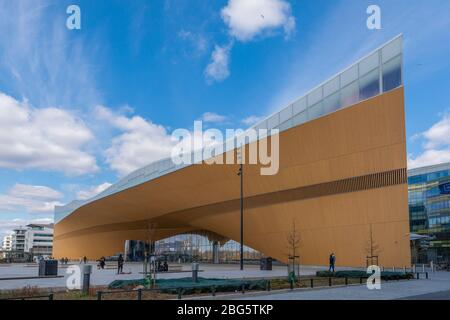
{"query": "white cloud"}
[(31, 199), (92, 191), (213, 117), (249, 18), (8, 226), (47, 139), (218, 69), (436, 146), (139, 143), (197, 41), (251, 120), (439, 134)]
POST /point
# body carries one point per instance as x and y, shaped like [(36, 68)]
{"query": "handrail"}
[(49, 296)]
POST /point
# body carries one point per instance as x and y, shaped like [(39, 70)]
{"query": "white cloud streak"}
[(213, 117), (8, 226), (436, 146), (31, 199), (92, 191)]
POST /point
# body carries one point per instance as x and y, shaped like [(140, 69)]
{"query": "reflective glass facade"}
[(429, 210), (185, 248)]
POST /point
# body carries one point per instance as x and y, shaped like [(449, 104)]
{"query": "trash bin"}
[(48, 268), (266, 263), (195, 268)]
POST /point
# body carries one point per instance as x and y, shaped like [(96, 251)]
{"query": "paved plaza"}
[(437, 287), (133, 271)]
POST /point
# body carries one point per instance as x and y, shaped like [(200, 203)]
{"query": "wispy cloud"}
[(251, 120), (42, 60), (30, 199), (92, 191), (213, 117), (8, 226), (218, 69)]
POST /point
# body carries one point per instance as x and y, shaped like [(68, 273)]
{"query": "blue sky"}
[(81, 108)]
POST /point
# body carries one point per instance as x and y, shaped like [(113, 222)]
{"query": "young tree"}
[(372, 248), (149, 252), (293, 240)]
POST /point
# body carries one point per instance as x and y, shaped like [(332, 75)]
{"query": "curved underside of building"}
[(342, 180)]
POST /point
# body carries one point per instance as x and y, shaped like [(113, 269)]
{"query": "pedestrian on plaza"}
[(85, 259), (120, 264), (332, 262)]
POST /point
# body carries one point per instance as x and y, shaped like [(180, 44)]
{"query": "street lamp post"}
[(241, 174)]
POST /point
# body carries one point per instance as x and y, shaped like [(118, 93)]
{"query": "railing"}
[(312, 283), (48, 296)]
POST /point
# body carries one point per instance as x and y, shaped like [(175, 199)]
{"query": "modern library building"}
[(342, 181)]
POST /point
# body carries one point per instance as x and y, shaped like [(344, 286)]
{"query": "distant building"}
[(39, 240), (18, 239), (6, 245), (429, 212)]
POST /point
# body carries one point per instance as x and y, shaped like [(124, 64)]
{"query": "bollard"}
[(292, 284), (426, 275), (243, 288), (423, 267), (50, 296), (195, 267), (99, 295), (360, 280), (139, 294), (346, 281), (268, 285), (213, 290), (329, 282), (179, 293), (87, 270), (312, 283)]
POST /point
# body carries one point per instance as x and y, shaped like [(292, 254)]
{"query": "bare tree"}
[(293, 240), (372, 248), (149, 252)]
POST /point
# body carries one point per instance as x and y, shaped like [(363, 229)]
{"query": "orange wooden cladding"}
[(338, 175)]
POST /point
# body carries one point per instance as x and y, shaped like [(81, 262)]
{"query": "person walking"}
[(84, 259), (120, 264), (332, 262)]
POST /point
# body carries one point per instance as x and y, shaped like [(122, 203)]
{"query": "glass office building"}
[(429, 211)]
